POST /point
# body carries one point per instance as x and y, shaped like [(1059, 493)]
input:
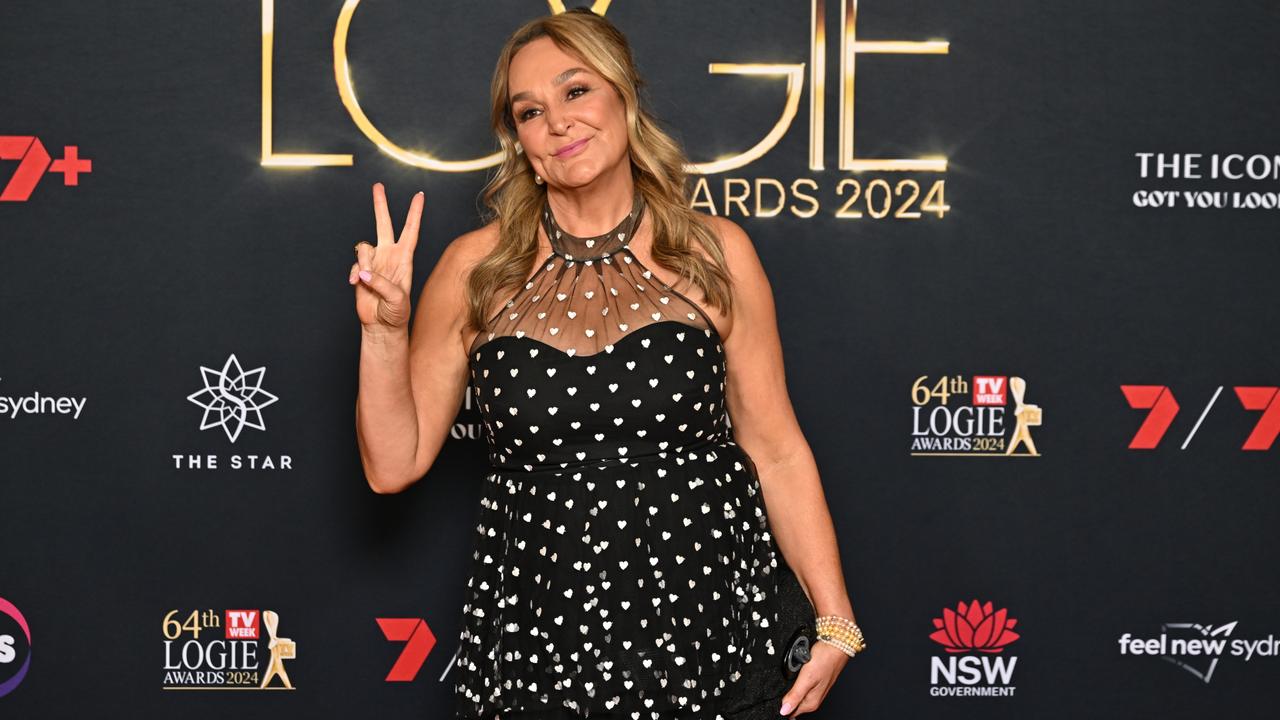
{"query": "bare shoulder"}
[(726, 228), (454, 268), (739, 250), (469, 248), (445, 286)]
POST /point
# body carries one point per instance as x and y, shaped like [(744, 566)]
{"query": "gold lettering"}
[(782, 197), (795, 85), (818, 83), (812, 185), (702, 199), (347, 91), (845, 212), (736, 199), (417, 158), (599, 7), (271, 158), (903, 211), (850, 46), (793, 73)]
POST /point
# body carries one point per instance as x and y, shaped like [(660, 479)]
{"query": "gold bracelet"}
[(841, 632)]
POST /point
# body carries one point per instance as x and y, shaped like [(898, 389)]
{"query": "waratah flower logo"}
[(232, 398), (975, 627)]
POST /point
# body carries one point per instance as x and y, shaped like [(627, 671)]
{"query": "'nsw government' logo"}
[(984, 631)]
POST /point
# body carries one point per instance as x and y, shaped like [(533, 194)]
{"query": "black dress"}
[(623, 565)]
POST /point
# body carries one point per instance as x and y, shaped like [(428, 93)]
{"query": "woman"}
[(625, 565)]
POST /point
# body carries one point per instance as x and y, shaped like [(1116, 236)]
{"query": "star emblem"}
[(232, 398), (1206, 673)]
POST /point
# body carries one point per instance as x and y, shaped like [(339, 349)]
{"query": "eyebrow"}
[(557, 80)]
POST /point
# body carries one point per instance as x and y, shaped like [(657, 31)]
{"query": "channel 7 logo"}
[(34, 161), (418, 640), (1163, 407)]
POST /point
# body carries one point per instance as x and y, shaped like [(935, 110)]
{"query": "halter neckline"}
[(596, 247)]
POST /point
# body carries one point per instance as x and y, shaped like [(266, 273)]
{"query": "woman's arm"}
[(412, 384), (764, 424)]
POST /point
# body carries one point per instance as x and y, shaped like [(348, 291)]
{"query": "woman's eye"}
[(525, 114)]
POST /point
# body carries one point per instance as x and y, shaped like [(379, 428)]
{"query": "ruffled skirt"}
[(649, 589)]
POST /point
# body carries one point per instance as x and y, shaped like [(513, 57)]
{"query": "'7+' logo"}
[(34, 161)]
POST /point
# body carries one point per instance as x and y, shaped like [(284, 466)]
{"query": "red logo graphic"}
[(1264, 399), (242, 624), (975, 627), (1160, 401), (1164, 408), (418, 640), (34, 161), (990, 390)]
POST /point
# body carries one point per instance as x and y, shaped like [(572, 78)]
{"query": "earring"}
[(537, 179)]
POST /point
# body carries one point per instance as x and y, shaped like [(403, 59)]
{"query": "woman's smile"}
[(571, 149)]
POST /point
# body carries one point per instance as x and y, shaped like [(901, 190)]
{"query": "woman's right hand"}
[(383, 274)]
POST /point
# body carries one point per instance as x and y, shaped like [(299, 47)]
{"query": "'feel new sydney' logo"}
[(1197, 648)]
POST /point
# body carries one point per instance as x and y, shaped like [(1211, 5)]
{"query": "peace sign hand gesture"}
[(383, 274)]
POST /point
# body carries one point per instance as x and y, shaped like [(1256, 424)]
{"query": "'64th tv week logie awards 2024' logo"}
[(225, 650), (953, 416)]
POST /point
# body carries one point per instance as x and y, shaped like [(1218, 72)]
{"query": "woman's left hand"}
[(814, 680)]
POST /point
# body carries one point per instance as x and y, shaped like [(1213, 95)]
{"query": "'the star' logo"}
[(232, 398)]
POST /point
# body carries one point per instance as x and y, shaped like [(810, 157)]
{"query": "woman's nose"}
[(558, 121)]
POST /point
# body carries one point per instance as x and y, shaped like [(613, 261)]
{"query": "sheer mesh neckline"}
[(596, 247), (584, 305)]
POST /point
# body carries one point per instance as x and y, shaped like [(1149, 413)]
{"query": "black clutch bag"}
[(759, 695), (797, 653), (798, 619)]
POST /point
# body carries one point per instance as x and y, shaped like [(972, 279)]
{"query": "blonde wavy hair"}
[(657, 170)]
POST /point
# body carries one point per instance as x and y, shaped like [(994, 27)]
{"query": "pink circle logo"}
[(6, 648)]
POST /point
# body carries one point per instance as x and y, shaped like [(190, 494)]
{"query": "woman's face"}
[(570, 122)]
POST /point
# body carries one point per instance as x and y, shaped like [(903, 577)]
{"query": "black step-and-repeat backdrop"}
[(1024, 258)]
